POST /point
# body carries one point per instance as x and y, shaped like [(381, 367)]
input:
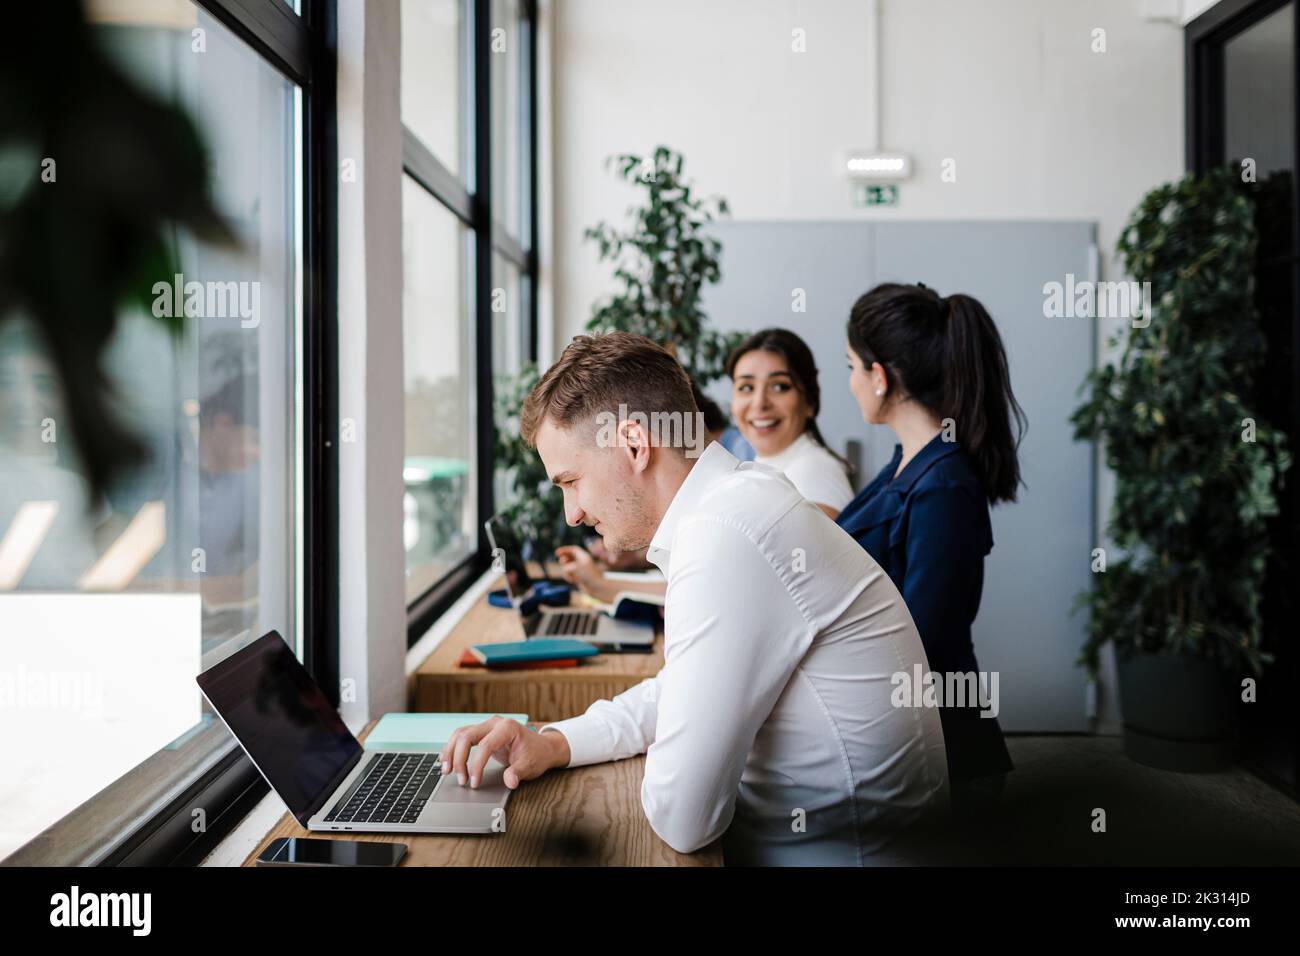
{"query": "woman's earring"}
[(879, 392)]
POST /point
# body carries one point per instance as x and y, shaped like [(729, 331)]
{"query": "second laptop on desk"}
[(587, 624)]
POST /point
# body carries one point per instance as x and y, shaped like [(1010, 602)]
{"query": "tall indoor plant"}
[(662, 260), (1198, 473)]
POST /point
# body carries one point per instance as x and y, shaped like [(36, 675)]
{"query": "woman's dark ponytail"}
[(979, 397), (948, 356)]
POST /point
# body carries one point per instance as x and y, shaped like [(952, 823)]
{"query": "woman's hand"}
[(580, 570), (619, 560)]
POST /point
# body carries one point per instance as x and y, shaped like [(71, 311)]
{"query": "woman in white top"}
[(774, 402)]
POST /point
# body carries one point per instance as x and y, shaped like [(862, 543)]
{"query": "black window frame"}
[(1204, 39), (476, 210), (1205, 147), (303, 48)]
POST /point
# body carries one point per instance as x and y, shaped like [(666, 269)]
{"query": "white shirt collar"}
[(713, 463)]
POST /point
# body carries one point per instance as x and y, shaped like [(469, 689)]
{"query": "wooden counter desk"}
[(545, 695), (587, 816)]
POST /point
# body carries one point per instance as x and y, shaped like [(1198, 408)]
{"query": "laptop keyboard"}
[(567, 622), (394, 790)]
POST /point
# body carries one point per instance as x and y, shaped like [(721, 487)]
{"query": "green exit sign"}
[(872, 194)]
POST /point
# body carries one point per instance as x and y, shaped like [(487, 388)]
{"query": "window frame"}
[(301, 48), (475, 208), (1205, 147)]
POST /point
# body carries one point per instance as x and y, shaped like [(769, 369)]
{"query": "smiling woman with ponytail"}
[(934, 370)]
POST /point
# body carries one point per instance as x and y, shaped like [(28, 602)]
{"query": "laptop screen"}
[(284, 722), (507, 555)]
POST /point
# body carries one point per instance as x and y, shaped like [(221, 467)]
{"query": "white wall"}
[(1039, 125)]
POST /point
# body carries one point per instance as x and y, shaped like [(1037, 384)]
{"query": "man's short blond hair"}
[(601, 372)]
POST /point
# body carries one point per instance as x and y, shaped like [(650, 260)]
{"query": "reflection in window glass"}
[(434, 91), (509, 344), (1259, 93), (439, 512), (509, 339), (507, 114), (110, 606)]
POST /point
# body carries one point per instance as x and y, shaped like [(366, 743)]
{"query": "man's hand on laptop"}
[(525, 753)]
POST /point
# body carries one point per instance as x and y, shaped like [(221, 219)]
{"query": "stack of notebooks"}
[(538, 653)]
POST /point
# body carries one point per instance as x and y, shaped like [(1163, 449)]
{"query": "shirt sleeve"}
[(612, 729), (733, 637)]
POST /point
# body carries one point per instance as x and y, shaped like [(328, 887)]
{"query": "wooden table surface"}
[(440, 685), (587, 816)]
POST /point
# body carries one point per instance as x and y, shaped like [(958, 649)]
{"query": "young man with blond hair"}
[(772, 724)]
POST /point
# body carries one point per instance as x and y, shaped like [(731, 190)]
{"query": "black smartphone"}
[(292, 851), (625, 648)]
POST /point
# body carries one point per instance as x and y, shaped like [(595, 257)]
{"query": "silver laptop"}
[(298, 742), (584, 624)]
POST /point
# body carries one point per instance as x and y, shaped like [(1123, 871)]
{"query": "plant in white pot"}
[(1198, 474)]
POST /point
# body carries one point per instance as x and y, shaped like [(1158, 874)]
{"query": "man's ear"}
[(634, 441)]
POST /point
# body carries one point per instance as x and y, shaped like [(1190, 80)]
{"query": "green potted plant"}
[(535, 508), (1198, 475), (662, 261)]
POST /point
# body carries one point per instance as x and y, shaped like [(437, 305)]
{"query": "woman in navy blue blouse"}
[(934, 370)]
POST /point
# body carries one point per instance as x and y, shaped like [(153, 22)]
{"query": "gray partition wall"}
[(1042, 543)]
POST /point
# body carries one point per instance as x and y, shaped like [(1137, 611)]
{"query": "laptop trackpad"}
[(490, 788)]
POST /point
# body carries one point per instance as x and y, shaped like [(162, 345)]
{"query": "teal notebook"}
[(419, 732), (538, 649)]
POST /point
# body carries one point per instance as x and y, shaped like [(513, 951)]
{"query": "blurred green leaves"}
[(536, 508), (662, 260), (124, 171)]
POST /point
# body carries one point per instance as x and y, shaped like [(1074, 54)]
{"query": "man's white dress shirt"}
[(771, 720)]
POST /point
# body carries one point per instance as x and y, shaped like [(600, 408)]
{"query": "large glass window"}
[(1259, 93), (510, 346), (111, 605), (1259, 124), (439, 506), (435, 95), (1242, 80), (470, 273), (508, 70)]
